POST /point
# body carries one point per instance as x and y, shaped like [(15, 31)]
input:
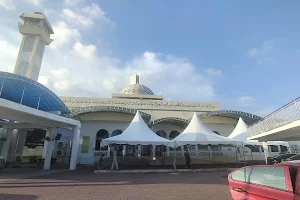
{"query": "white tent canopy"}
[(197, 133), (137, 133), (241, 133)]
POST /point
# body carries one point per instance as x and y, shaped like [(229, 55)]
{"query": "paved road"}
[(84, 185)]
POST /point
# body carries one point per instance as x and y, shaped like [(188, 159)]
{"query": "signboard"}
[(72, 102), (85, 144)]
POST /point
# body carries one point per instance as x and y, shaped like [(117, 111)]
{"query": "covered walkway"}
[(282, 124), (24, 117)]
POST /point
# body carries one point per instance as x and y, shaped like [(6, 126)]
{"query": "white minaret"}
[(36, 32)]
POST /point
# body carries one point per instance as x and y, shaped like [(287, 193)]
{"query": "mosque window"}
[(101, 134), (173, 134), (161, 133), (28, 43), (116, 132)]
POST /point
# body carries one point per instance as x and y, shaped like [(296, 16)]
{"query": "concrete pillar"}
[(153, 151), (266, 151), (5, 148), (168, 148), (12, 146), (75, 147), (139, 151), (124, 151), (22, 133), (48, 147), (196, 149)]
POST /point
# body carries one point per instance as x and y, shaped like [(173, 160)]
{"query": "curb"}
[(165, 170)]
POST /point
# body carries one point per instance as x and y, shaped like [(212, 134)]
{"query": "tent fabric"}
[(137, 133), (241, 133), (197, 133)]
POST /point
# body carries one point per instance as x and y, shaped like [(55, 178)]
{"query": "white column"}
[(75, 147), (196, 148), (6, 144), (266, 151), (108, 151), (48, 147), (124, 151), (153, 151)]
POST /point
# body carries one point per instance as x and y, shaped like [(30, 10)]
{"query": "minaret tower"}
[(36, 32)]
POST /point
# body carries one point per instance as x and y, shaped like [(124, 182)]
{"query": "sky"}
[(243, 54)]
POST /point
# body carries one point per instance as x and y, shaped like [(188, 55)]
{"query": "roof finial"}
[(134, 79)]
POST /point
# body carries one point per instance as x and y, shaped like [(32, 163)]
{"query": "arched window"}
[(161, 133), (101, 134), (116, 132), (216, 132), (173, 134)]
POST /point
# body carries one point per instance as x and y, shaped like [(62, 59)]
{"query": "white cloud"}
[(7, 4), (86, 17), (63, 35), (252, 52), (264, 54), (87, 52), (72, 2), (8, 56), (34, 2), (78, 19), (246, 101), (213, 72)]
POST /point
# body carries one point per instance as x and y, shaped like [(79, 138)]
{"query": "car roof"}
[(294, 163)]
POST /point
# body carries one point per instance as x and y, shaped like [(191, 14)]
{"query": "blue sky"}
[(243, 54)]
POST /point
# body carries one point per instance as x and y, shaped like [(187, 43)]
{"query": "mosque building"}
[(106, 117)]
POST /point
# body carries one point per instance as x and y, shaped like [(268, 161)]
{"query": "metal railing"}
[(280, 117)]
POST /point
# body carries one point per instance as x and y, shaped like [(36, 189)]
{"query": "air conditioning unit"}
[(61, 144)]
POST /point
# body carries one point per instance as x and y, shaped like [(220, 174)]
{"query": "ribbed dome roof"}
[(137, 89)]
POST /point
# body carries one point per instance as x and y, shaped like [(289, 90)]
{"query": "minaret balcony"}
[(35, 29)]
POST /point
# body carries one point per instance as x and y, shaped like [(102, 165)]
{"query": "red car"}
[(266, 182)]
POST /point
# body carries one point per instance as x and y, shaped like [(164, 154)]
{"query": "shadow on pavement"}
[(17, 196)]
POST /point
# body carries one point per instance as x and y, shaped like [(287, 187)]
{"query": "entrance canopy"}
[(197, 133), (137, 133)]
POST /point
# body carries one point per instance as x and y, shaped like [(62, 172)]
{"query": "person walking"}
[(100, 161), (115, 160), (174, 161), (187, 159)]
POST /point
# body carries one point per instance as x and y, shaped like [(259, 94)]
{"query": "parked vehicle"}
[(295, 157), (2, 163), (265, 182), (279, 158)]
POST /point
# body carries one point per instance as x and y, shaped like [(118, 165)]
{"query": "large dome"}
[(137, 89)]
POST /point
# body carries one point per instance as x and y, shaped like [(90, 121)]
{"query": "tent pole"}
[(236, 157), (244, 154)]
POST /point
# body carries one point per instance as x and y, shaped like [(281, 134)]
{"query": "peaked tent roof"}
[(197, 133), (240, 133), (137, 133)]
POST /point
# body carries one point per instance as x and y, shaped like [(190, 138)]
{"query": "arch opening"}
[(101, 134)]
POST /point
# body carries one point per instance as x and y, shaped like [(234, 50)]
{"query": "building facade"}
[(107, 117)]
